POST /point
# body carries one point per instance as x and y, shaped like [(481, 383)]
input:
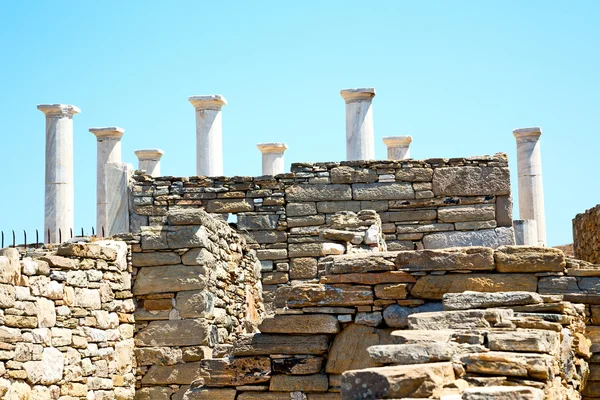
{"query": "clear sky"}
[(456, 75)]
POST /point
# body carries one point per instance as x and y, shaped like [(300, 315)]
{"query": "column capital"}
[(107, 132), (359, 94), (397, 141), (270, 148), (208, 102), (532, 133), (149, 154), (66, 110)]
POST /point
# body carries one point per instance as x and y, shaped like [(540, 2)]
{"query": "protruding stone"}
[(529, 259), (414, 353), (470, 299), (468, 258), (469, 319)]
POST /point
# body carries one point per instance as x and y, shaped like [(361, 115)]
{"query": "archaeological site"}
[(337, 280)]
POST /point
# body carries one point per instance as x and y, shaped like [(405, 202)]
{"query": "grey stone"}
[(382, 191), (198, 256), (188, 236), (537, 341), (303, 268), (475, 212), (185, 332), (264, 344), (300, 209), (330, 207), (396, 316), (412, 215), (486, 238), (454, 259), (474, 225), (257, 222), (468, 319), (268, 237), (155, 258), (414, 174), (169, 278), (503, 393), (468, 300), (346, 174), (309, 220), (558, 285), (471, 181), (504, 206), (320, 192), (154, 238), (413, 353), (195, 304), (369, 318)]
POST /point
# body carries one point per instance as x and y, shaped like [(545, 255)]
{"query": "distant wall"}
[(434, 203), (586, 235)]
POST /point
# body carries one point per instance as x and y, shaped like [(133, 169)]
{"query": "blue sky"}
[(456, 75)]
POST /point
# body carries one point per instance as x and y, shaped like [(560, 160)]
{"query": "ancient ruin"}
[(356, 279)]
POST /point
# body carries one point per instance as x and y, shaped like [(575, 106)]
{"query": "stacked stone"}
[(436, 203), (197, 285), (475, 350), (66, 323), (586, 235)]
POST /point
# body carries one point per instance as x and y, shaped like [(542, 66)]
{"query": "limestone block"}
[(264, 344), (396, 316), (229, 206), (529, 259), (155, 258), (218, 372), (297, 383), (503, 393), (271, 254), (275, 278), (558, 285), (414, 174), (204, 393), (169, 278), (46, 313), (413, 353), (468, 319), (303, 268), (307, 295), (268, 237), (101, 250), (475, 212), (87, 298), (309, 220), (470, 299), (47, 371), (178, 374), (315, 249), (474, 225), (7, 296), (318, 192), (298, 365), (486, 238), (383, 191), (157, 355), (331, 207), (157, 393), (395, 291), (369, 318), (532, 365), (527, 341), (257, 222), (10, 266), (504, 214), (60, 262), (471, 181), (186, 332), (345, 174), (405, 381), (369, 278), (300, 324), (195, 304), (360, 263), (435, 286), (412, 215), (187, 236), (198, 256), (154, 238), (300, 209), (456, 259)]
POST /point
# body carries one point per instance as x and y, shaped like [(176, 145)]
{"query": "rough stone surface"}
[(470, 259), (470, 299), (486, 238)]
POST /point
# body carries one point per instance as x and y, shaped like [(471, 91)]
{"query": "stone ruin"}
[(391, 279)]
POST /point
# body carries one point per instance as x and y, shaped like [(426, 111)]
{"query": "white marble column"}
[(360, 141), (149, 160), (272, 157), (525, 232), (118, 176), (398, 147), (529, 169), (109, 151), (209, 134), (59, 196)]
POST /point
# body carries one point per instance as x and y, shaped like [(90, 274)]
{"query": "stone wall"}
[(196, 286), (324, 329), (436, 203), (586, 235), (66, 323)]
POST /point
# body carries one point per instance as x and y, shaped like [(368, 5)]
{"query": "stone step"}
[(468, 319), (525, 341), (416, 381), (414, 353), (503, 393), (501, 363), (423, 336), (469, 300)]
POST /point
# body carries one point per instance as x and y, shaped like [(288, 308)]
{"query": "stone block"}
[(412, 215), (155, 258), (503, 393), (319, 192), (315, 249), (331, 207), (536, 341), (309, 220), (298, 365), (475, 212), (456, 259), (396, 316), (345, 174), (526, 365), (435, 286), (470, 299), (204, 393), (188, 236), (268, 237), (271, 254), (101, 250), (394, 291), (300, 209), (169, 278), (303, 268), (154, 238), (360, 263), (414, 174), (467, 319), (486, 238), (558, 285), (307, 295), (413, 353), (157, 355), (382, 191), (265, 344), (185, 332), (369, 278), (198, 256), (471, 181), (195, 304), (300, 324), (529, 259), (504, 214), (7, 296), (218, 372), (275, 278), (474, 225), (229, 206), (178, 374), (257, 222), (297, 383), (369, 318)]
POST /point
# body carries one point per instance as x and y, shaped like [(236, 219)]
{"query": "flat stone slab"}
[(300, 324), (468, 319), (309, 295), (493, 238), (503, 393), (169, 278), (299, 383), (396, 316), (219, 372), (265, 344), (529, 259), (457, 259), (532, 365), (471, 181), (414, 353), (470, 299), (369, 278), (360, 263), (185, 332), (526, 341)]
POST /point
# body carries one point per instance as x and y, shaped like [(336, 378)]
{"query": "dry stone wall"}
[(435, 203), (66, 323), (322, 330), (586, 235)]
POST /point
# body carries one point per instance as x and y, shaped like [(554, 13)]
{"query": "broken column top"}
[(209, 101), (59, 109), (108, 132), (533, 132), (393, 141), (267, 148), (149, 154), (359, 94)]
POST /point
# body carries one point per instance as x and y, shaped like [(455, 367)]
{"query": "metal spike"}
[(93, 233), (25, 237), (2, 240), (14, 242), (71, 230), (37, 239), (59, 237)]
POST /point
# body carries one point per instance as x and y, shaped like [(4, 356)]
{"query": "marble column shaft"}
[(360, 139), (59, 191), (529, 170), (108, 151), (149, 160), (209, 134), (525, 232), (398, 147), (272, 158)]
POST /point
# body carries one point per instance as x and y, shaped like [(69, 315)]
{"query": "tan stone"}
[(178, 374), (157, 355), (187, 332), (300, 365), (263, 344), (529, 259), (300, 324), (391, 291), (435, 286), (169, 278), (297, 383), (154, 393), (456, 259), (217, 372), (307, 295), (303, 268), (229, 206), (369, 278), (527, 341), (536, 366), (154, 259), (360, 263), (503, 393), (265, 396)]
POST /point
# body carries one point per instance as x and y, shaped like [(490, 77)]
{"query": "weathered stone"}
[(297, 365), (169, 278), (300, 324), (536, 366), (47, 371), (486, 238), (7, 296), (558, 285), (319, 192), (268, 237), (178, 374), (188, 236), (300, 209), (504, 215), (396, 316), (394, 291), (346, 174), (369, 318), (457, 259), (527, 341), (369, 278), (229, 206), (154, 259), (413, 353), (187, 332), (360, 263), (414, 174), (190, 216), (271, 254), (101, 250), (470, 299), (157, 355), (412, 215), (87, 298), (275, 278), (468, 319), (405, 381), (475, 212), (297, 383), (306, 295), (217, 372), (204, 393), (153, 238), (303, 268), (471, 181), (529, 259), (195, 304), (383, 191), (435, 286), (156, 393), (315, 249), (60, 262), (474, 225), (264, 344), (46, 313), (503, 393), (10, 266)]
